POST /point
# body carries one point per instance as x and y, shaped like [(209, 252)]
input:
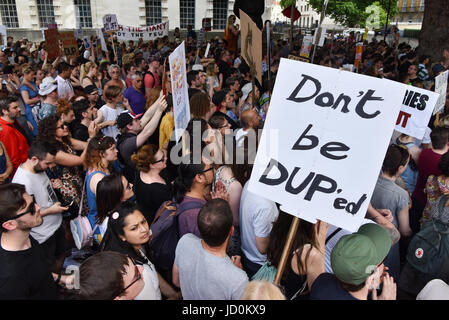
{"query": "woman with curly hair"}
[(53, 130), (101, 153)]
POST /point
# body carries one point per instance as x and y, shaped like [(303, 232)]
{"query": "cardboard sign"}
[(306, 46), (69, 43), (181, 105), (251, 43), (126, 33), (52, 43), (110, 23), (416, 109), (311, 157), (441, 89), (358, 54), (322, 36)]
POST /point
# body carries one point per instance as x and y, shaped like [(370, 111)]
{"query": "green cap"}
[(356, 255)]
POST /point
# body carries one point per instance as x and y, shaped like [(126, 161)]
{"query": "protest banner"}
[(441, 89), (306, 46), (322, 32), (181, 106), (69, 43), (416, 109), (320, 168), (358, 54), (3, 36), (251, 40), (100, 36), (52, 43), (126, 33), (110, 23)]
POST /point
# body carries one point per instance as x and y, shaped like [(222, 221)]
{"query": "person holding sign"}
[(357, 261)]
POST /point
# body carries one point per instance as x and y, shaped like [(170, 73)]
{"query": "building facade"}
[(70, 14), (411, 14)]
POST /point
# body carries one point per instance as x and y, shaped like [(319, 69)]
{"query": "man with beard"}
[(50, 234), (24, 273), (13, 135)]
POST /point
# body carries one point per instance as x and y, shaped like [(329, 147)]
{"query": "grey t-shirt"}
[(388, 195), (204, 276), (39, 185)]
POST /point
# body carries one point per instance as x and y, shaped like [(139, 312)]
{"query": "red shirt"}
[(15, 143), (428, 165)]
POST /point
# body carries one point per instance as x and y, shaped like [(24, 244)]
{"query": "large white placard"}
[(333, 128), (441, 89), (417, 106), (126, 33), (110, 23), (181, 105)]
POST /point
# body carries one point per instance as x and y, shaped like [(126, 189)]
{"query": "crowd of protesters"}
[(94, 135)]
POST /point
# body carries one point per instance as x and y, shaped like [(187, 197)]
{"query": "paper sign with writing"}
[(126, 33), (69, 43), (306, 46), (181, 105), (441, 89), (102, 41), (52, 43), (110, 23), (333, 128), (416, 109), (251, 40)]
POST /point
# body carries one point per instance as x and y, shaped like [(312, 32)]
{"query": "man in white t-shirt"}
[(257, 215), (250, 120), (50, 234), (65, 89)]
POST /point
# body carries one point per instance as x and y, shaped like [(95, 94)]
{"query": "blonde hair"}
[(85, 68), (262, 290), (228, 22), (210, 69)]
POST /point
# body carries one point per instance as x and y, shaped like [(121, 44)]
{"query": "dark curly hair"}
[(46, 131)]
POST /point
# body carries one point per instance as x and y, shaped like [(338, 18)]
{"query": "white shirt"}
[(108, 115), (64, 87), (257, 215), (39, 185)]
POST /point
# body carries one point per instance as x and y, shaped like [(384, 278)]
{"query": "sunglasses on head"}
[(160, 160), (32, 210)]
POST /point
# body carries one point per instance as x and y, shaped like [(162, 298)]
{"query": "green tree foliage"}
[(287, 3), (353, 13)]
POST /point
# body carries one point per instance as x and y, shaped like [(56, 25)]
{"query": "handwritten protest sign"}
[(306, 46), (52, 43), (321, 168), (251, 40), (69, 43), (110, 23), (181, 106), (441, 89), (126, 33), (416, 109)]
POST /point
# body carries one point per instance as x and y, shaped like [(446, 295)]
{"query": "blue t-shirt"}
[(136, 100), (327, 287)]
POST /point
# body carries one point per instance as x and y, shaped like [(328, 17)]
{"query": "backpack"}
[(152, 75), (165, 232), (428, 252)]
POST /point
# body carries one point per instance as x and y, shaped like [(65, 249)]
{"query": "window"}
[(8, 11), (83, 13), (422, 5), (46, 12), (220, 16), (187, 13), (412, 6), (153, 12)]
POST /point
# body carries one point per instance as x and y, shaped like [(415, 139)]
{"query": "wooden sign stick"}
[(285, 252)]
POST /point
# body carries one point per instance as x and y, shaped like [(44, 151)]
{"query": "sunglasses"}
[(211, 168), (61, 126), (137, 277), (32, 210), (160, 160)]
